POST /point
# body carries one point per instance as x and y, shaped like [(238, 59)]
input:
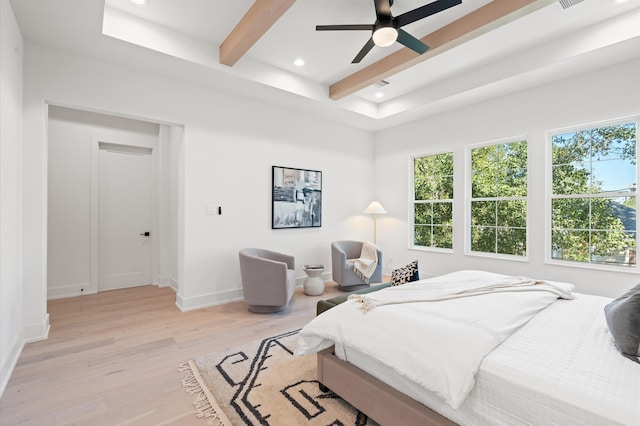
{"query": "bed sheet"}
[(561, 368)]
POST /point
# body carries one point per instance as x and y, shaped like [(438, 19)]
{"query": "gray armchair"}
[(268, 279), (343, 253)]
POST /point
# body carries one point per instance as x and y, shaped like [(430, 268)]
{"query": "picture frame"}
[(296, 196)]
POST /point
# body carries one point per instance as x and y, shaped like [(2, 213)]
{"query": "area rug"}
[(262, 383)]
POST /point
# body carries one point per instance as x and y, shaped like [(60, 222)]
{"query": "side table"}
[(314, 284)]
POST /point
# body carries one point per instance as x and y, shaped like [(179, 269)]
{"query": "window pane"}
[(570, 147), (611, 214), (444, 188), (424, 188), (514, 183), (512, 241), (571, 178), (443, 236), (613, 175), (618, 250), (570, 213), (512, 213), (484, 185), (423, 214), (515, 155), (570, 245), (613, 142), (422, 235), (483, 239), (442, 213), (484, 171), (483, 213)]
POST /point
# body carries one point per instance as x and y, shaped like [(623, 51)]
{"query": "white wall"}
[(230, 144), (73, 136), (605, 94), (11, 57)]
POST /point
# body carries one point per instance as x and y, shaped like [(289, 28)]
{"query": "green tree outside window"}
[(499, 199), (593, 201), (433, 201)]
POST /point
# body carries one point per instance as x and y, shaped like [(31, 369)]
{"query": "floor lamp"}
[(375, 208)]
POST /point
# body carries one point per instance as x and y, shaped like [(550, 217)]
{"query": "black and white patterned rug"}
[(262, 383)]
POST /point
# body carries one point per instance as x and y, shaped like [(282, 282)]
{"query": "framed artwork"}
[(296, 198)]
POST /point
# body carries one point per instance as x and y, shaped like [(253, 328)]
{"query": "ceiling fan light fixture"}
[(385, 36)]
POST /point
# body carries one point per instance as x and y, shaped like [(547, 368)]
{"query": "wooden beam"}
[(259, 18), (476, 23)]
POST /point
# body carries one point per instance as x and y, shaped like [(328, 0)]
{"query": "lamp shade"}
[(375, 208)]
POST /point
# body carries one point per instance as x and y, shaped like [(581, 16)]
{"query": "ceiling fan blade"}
[(344, 27), (424, 11), (383, 8), (367, 47), (411, 42)]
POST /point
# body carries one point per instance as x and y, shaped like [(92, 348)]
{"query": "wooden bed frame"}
[(376, 399)]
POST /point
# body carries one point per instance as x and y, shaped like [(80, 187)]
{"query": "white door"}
[(124, 218)]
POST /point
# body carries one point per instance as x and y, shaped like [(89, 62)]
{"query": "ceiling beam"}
[(475, 24), (254, 24)]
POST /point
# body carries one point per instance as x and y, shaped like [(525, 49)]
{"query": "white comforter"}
[(436, 344)]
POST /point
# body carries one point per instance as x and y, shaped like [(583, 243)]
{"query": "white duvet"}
[(438, 344)]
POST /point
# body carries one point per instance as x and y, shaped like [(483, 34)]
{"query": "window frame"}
[(549, 196), (412, 192), (468, 187)]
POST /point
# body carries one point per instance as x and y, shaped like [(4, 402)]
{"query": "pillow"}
[(623, 320), (405, 274)]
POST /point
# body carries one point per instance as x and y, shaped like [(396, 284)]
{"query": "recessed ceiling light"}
[(140, 2), (298, 62), (379, 95), (619, 1)]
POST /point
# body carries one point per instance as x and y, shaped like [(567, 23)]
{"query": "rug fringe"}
[(202, 403)]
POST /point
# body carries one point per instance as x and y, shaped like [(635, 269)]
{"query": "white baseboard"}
[(213, 299), (173, 283), (37, 332), (168, 281), (204, 301), (71, 291), (7, 369)]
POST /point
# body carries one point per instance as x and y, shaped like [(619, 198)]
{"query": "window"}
[(433, 201), (499, 198), (593, 200)]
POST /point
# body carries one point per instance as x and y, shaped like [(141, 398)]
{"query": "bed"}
[(557, 364)]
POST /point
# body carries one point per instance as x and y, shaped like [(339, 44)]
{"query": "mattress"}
[(561, 368)]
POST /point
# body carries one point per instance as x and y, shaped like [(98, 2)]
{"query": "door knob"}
[(146, 234)]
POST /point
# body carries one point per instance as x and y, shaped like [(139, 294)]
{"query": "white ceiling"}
[(180, 38)]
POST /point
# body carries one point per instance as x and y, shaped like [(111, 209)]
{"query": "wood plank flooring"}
[(112, 358)]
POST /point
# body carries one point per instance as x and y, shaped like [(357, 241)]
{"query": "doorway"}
[(110, 179), (125, 193)]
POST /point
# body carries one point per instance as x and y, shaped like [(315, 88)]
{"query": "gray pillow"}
[(623, 319)]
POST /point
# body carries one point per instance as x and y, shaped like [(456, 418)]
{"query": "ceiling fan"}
[(387, 28)]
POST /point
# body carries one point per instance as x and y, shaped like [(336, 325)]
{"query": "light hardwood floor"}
[(112, 358)]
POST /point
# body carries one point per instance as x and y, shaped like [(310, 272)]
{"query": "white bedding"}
[(561, 368), (437, 345)]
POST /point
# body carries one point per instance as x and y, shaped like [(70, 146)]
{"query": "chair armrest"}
[(281, 257), (338, 256)]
